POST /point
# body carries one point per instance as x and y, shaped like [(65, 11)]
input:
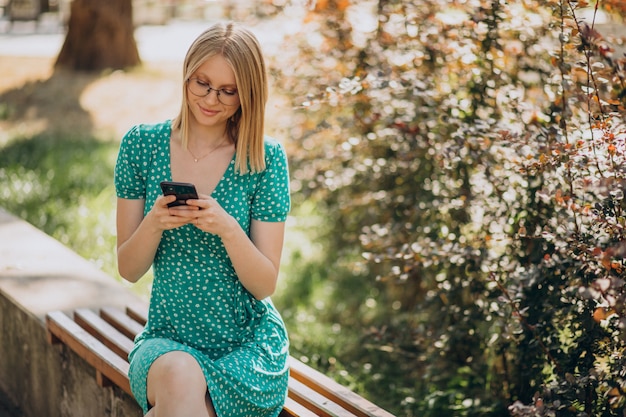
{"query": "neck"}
[(200, 147), (200, 142), (202, 137)]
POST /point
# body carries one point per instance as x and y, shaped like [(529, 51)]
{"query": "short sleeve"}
[(129, 180), (272, 201)]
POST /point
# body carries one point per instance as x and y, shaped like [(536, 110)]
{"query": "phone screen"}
[(182, 190)]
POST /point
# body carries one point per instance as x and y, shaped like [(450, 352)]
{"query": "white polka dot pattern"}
[(197, 303)]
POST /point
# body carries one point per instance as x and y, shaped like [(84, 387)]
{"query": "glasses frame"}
[(218, 91)]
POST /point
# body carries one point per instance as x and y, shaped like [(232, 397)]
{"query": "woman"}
[(214, 345)]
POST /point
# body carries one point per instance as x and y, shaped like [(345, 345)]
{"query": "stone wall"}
[(37, 275)]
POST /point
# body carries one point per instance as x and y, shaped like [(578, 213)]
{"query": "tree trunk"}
[(100, 35)]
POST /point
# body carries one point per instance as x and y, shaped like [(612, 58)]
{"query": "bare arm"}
[(138, 237), (256, 259)]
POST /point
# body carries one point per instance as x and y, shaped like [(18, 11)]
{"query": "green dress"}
[(197, 304)]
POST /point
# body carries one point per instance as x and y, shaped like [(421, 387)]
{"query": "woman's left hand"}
[(210, 216)]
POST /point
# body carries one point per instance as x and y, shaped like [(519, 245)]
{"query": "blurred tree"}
[(100, 35)]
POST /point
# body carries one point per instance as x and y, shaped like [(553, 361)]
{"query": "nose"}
[(209, 96)]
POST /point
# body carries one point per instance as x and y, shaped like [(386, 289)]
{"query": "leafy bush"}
[(469, 159)]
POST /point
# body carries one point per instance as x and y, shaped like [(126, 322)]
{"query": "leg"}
[(177, 388)]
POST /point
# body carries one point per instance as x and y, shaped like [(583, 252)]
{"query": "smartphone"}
[(182, 190)]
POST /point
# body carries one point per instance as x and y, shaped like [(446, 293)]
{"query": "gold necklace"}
[(196, 159)]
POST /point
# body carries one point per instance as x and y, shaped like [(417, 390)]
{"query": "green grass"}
[(63, 185)]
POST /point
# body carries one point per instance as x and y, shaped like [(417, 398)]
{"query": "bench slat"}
[(104, 332), (333, 390), (294, 409), (315, 401), (111, 366), (138, 313), (118, 319)]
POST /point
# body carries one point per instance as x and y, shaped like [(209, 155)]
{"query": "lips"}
[(208, 112)]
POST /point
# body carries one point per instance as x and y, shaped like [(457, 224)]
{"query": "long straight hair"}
[(241, 49)]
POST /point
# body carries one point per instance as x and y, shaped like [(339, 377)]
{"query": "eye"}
[(201, 83), (229, 92)]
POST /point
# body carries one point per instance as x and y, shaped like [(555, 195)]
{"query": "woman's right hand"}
[(167, 218), (138, 237)]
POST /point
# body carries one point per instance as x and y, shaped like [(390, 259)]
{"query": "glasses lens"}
[(228, 97), (201, 89), (197, 88)]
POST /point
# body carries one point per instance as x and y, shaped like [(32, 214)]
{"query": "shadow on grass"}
[(54, 101)]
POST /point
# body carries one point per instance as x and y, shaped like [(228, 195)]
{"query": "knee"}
[(176, 371)]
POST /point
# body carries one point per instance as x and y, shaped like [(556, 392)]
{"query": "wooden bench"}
[(105, 338)]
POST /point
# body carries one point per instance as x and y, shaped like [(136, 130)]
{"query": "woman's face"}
[(212, 94)]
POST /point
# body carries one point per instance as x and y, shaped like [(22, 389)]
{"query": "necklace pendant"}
[(195, 160)]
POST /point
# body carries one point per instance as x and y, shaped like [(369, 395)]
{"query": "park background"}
[(456, 245)]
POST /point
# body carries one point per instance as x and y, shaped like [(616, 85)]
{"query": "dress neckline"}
[(168, 153)]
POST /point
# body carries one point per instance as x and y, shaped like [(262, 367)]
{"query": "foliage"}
[(469, 160)]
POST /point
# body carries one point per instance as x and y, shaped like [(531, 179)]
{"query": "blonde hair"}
[(241, 49)]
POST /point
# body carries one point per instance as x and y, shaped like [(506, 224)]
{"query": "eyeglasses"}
[(226, 96)]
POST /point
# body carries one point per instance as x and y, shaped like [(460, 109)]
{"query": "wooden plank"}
[(286, 413), (102, 380), (334, 391), (90, 349), (138, 312), (104, 332), (294, 409), (315, 401), (118, 319)]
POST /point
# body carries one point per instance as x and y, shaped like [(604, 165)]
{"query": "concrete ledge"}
[(38, 274)]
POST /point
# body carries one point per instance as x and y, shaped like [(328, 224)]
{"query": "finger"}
[(203, 203), (164, 200), (173, 223), (199, 204), (184, 211)]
